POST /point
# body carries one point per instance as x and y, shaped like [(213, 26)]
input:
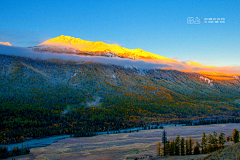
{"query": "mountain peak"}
[(5, 43), (101, 47)]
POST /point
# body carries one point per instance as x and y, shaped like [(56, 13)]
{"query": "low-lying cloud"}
[(95, 103), (29, 53), (143, 64)]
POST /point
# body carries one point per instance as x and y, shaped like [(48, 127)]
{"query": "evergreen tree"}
[(235, 136), (182, 146), (191, 143), (221, 140), (158, 148), (204, 143), (177, 145), (167, 145), (196, 149), (187, 147), (171, 147)]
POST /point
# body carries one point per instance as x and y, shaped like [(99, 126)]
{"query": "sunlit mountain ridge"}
[(5, 43), (101, 47)]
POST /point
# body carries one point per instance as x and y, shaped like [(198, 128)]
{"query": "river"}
[(49, 140)]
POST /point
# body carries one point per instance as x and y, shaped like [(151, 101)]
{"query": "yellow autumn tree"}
[(158, 148)]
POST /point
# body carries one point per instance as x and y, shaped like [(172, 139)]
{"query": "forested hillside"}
[(48, 97)]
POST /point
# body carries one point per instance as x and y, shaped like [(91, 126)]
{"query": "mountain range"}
[(52, 82)]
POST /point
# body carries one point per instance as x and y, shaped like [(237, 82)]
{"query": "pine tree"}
[(177, 145), (187, 147), (167, 145), (221, 140), (191, 142), (235, 136), (171, 148), (204, 143), (196, 149), (158, 148), (182, 146)]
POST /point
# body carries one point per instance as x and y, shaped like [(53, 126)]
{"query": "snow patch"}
[(211, 85), (236, 77), (209, 81), (74, 75)]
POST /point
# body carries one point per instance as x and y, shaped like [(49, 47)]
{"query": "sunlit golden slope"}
[(198, 65), (220, 76), (101, 47), (5, 43)]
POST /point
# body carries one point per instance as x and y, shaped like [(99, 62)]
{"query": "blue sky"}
[(157, 26)]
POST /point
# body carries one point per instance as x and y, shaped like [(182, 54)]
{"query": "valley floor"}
[(121, 146)]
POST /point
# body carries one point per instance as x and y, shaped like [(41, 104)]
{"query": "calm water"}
[(36, 142)]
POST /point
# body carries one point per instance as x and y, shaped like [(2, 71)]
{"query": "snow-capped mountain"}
[(67, 44)]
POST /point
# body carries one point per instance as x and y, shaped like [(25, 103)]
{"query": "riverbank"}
[(121, 145)]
